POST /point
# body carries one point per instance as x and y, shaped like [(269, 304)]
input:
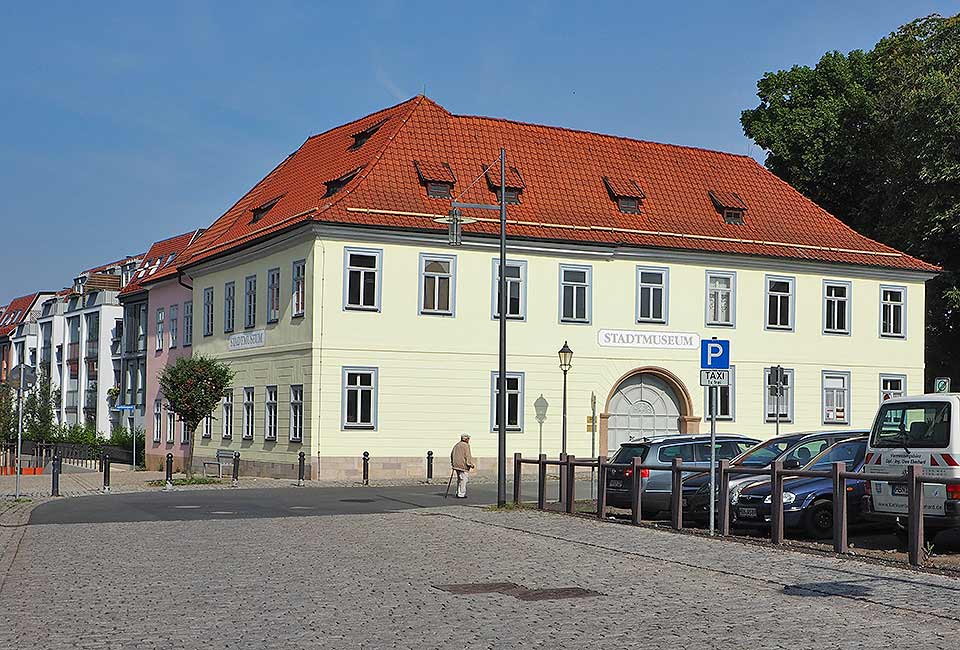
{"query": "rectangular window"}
[(227, 414), (299, 287), (171, 425), (270, 414), (359, 398), (652, 287), (208, 311), (437, 284), (248, 397), (514, 381), (184, 433), (296, 413), (892, 386), (361, 279), (159, 332), (786, 398), (229, 306), (575, 293), (141, 382), (173, 325), (187, 324), (836, 397), (836, 307), (250, 302), (208, 426), (516, 279), (779, 303), (726, 399), (157, 420), (273, 295), (142, 328), (892, 303), (721, 298)]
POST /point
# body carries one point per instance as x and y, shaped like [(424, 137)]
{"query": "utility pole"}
[(502, 380), (19, 467)]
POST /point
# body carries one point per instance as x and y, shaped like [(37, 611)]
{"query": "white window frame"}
[(208, 427), (158, 332), (227, 410), (249, 394), (452, 286), (731, 399), (901, 392), (495, 290), (174, 314), (732, 300), (208, 311), (157, 420), (273, 295), (184, 433), (296, 413), (664, 287), (494, 376), (346, 389), (250, 302), (377, 271), (586, 286), (835, 374), (270, 413), (187, 323), (791, 302), (902, 334), (846, 302), (298, 289), (229, 307), (787, 399), (171, 426)]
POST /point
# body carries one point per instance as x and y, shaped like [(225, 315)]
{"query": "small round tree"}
[(192, 387)]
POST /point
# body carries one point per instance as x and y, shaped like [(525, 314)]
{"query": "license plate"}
[(747, 513), (898, 490), (616, 483)]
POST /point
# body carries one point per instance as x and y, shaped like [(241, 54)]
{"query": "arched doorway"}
[(647, 402)]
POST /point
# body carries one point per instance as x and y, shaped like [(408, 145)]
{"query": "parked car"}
[(808, 502), (794, 449), (656, 484), (919, 430)]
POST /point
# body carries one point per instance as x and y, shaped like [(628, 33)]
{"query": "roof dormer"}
[(337, 184), (360, 138), (437, 177), (513, 183), (626, 192), (260, 211), (730, 205)]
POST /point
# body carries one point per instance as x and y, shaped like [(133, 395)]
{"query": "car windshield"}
[(764, 454), (850, 452), (910, 425), (627, 453)]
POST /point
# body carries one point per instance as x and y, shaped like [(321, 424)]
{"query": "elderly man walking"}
[(462, 462)]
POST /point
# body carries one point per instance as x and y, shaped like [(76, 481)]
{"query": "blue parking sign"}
[(714, 354)]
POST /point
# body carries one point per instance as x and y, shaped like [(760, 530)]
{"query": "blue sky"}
[(124, 123)]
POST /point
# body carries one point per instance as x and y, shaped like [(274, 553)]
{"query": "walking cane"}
[(449, 481)]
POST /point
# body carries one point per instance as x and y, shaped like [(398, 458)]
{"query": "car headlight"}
[(788, 497), (735, 495)]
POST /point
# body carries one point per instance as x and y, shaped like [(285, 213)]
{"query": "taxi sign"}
[(714, 377)]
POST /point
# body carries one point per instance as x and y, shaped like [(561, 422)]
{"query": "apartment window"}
[(892, 302), (514, 381), (184, 433), (359, 398), (836, 397), (273, 295), (892, 386), (652, 287), (270, 414), (173, 325), (361, 282), (229, 306), (159, 332), (296, 413), (575, 293), (437, 284), (171, 424), (208, 426), (779, 303), (726, 399), (299, 287), (227, 414), (157, 420), (208, 311), (248, 396), (142, 328), (187, 324), (836, 307), (141, 382), (786, 399), (516, 279), (721, 298)]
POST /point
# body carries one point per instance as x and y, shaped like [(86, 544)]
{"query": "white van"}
[(920, 430)]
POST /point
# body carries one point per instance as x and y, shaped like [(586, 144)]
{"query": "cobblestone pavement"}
[(365, 581)]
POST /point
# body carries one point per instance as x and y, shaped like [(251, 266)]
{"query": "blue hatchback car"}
[(808, 502)]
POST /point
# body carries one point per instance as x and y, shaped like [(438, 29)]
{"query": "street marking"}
[(301, 507), (186, 507), (222, 512)]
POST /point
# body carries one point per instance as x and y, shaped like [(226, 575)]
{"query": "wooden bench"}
[(222, 456)]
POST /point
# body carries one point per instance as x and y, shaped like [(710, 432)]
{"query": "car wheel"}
[(820, 519)]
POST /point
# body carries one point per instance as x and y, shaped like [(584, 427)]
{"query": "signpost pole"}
[(19, 468), (777, 383), (714, 395)]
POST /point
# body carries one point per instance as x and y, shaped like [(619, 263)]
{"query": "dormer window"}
[(626, 192), (512, 194), (338, 184), (733, 217), (260, 212), (628, 204), (437, 177), (359, 139), (513, 184), (730, 205), (439, 190)]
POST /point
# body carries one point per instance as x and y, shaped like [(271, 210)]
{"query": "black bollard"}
[(55, 487), (236, 469), (429, 466), (106, 472), (302, 469), (169, 469), (366, 468)]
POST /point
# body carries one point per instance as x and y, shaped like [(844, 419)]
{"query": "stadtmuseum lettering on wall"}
[(633, 339)]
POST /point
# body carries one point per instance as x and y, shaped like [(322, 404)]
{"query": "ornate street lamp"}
[(566, 356)]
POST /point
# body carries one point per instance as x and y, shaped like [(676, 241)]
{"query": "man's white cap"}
[(465, 436)]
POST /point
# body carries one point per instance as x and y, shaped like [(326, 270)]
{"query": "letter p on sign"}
[(714, 354)]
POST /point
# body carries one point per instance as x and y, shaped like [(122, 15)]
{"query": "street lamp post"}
[(566, 356)]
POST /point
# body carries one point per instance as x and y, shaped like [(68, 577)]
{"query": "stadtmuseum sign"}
[(662, 340), (246, 340)]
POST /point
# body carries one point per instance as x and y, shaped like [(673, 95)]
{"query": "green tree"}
[(192, 387), (8, 413), (874, 137), (39, 409)]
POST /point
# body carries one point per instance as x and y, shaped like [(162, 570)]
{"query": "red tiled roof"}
[(432, 170), (626, 187), (21, 304), (158, 255), (728, 200), (564, 197), (104, 267)]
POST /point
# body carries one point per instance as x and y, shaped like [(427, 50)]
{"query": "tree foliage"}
[(874, 138), (192, 388), (8, 413), (39, 409)]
